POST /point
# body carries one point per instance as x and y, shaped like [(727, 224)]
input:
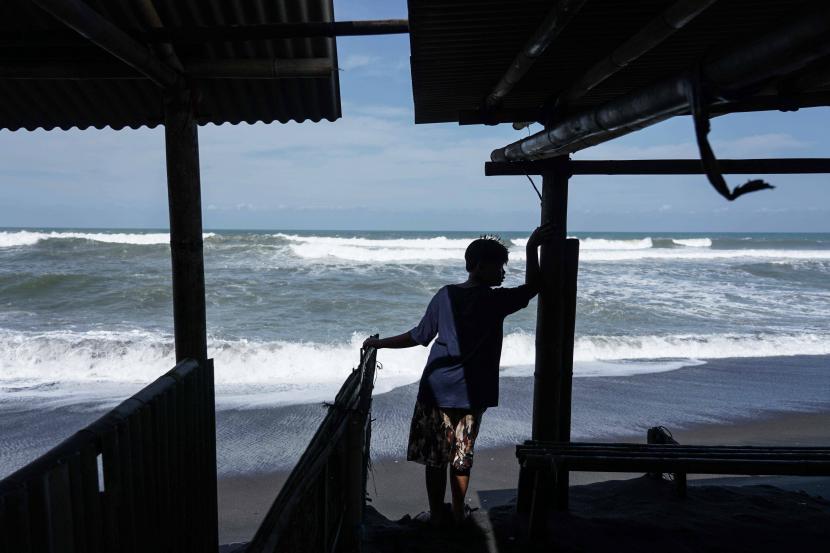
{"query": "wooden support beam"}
[(264, 68), (784, 51), (270, 31), (781, 166), (253, 68), (556, 312), (185, 203), (557, 19), (90, 24), (224, 33)]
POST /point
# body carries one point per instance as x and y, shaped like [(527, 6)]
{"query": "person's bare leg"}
[(458, 485), (436, 489)]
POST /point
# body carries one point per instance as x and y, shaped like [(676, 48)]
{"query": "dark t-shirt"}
[(463, 366)]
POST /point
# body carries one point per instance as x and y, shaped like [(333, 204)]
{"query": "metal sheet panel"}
[(461, 49), (99, 103)]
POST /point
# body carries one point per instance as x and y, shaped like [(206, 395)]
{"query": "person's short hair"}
[(487, 249)]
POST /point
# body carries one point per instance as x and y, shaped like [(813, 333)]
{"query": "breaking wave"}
[(693, 242), (257, 372), (30, 238)]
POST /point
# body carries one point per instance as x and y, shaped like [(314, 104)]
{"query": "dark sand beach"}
[(396, 488), (774, 401)]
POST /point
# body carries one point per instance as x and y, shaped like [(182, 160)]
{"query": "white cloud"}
[(354, 61)]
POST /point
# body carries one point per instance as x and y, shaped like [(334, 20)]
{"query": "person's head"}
[(485, 259)]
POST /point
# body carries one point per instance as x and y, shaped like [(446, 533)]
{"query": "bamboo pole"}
[(185, 203)]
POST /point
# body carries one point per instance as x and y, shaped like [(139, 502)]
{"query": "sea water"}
[(86, 315)]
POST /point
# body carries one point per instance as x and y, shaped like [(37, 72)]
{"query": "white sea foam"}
[(442, 249), (702, 254), (10, 239), (368, 250), (58, 364), (602, 244), (693, 242)]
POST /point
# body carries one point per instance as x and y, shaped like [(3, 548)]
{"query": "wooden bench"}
[(545, 464)]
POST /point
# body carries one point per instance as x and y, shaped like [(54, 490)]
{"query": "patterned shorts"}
[(439, 436)]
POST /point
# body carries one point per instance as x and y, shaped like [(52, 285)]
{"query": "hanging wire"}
[(534, 187), (528, 176)]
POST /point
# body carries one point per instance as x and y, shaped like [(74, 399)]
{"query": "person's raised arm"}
[(404, 340), (537, 238)]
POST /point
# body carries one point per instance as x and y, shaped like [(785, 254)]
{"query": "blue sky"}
[(375, 169)]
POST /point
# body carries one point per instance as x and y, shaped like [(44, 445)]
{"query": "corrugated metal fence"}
[(140, 478)]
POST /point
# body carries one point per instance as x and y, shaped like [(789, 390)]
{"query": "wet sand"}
[(396, 486)]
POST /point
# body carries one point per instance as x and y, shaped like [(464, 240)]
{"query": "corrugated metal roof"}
[(461, 49), (119, 103)]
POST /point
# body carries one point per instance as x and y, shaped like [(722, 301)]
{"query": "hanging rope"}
[(700, 115)]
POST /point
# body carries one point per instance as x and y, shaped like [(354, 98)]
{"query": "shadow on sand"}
[(630, 515)]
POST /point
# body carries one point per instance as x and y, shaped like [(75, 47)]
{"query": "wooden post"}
[(185, 201), (189, 320), (554, 336)]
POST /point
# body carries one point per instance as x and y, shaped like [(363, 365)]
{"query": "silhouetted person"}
[(461, 377)]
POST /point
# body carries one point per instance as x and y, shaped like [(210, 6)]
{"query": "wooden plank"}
[(531, 446), (191, 465), (688, 465), (176, 463), (164, 467), (211, 500), (58, 507), (781, 166), (79, 516), (38, 514), (112, 496), (127, 526), (140, 507), (149, 461), (92, 498), (15, 526), (668, 454)]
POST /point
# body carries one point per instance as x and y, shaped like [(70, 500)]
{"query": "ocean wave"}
[(442, 249), (602, 243), (370, 250), (702, 254), (10, 239), (297, 372), (693, 242), (438, 249)]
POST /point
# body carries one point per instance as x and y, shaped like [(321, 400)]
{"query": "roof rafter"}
[(253, 68), (556, 20), (224, 33), (87, 22)]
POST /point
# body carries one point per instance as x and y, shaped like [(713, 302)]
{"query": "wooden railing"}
[(320, 506), (141, 478)]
